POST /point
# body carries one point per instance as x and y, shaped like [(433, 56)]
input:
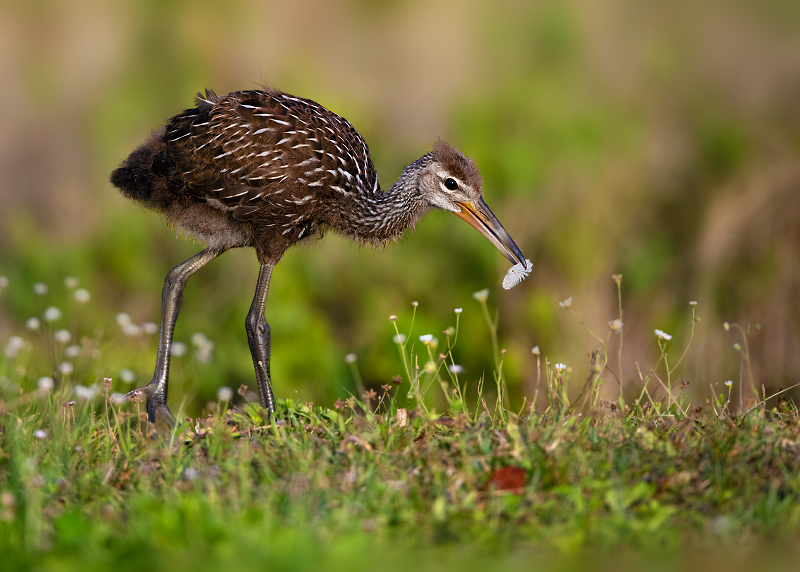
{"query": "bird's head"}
[(451, 181)]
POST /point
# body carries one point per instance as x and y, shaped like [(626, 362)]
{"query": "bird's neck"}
[(380, 217)]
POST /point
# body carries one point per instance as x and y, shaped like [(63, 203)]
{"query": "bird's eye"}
[(451, 184)]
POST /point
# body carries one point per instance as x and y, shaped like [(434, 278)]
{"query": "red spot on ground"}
[(506, 479)]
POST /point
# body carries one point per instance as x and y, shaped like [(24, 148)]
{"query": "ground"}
[(90, 485)]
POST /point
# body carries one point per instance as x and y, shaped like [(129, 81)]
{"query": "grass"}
[(387, 480)]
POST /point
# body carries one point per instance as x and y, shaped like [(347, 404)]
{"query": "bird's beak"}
[(481, 217)]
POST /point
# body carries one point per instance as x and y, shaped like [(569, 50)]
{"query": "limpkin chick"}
[(267, 169)]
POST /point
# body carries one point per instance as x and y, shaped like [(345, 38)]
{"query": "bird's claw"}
[(156, 405)]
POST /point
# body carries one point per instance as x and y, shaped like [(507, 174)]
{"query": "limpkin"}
[(266, 169)]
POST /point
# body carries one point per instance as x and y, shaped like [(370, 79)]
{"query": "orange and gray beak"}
[(481, 217)]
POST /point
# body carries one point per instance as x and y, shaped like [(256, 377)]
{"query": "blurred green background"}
[(656, 140)]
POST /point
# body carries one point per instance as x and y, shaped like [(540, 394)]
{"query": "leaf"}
[(506, 479)]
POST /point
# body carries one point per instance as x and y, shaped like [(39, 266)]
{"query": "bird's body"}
[(266, 169)]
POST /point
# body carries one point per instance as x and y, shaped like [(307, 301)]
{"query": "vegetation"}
[(86, 482)]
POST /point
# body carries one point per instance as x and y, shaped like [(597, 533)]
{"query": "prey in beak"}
[(479, 215)]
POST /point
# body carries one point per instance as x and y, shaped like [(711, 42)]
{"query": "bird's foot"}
[(156, 405)]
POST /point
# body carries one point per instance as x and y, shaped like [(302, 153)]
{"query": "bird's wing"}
[(248, 150)]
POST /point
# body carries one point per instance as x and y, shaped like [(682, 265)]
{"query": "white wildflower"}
[(123, 319), (71, 282), (32, 324), (131, 329), (429, 341), (566, 303), (3, 282), (150, 328), (729, 383), (118, 398), (40, 288), (663, 335), (224, 393), (615, 325), (560, 367), (191, 474), (399, 338), (84, 393), (82, 295), (350, 358), (199, 339), (72, 351), (13, 345), (481, 295), (693, 303), (45, 383), (65, 368), (127, 376), (51, 314), (62, 336), (535, 351), (458, 310), (455, 368), (40, 434), (178, 349), (203, 353)]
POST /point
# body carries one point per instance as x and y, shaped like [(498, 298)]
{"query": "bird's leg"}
[(171, 297), (259, 338)]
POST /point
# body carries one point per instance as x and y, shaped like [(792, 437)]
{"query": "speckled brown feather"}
[(248, 147), (284, 163)]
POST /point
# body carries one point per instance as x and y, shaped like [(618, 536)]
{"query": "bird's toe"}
[(155, 404)]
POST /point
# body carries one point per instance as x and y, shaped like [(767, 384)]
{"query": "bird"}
[(266, 169)]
